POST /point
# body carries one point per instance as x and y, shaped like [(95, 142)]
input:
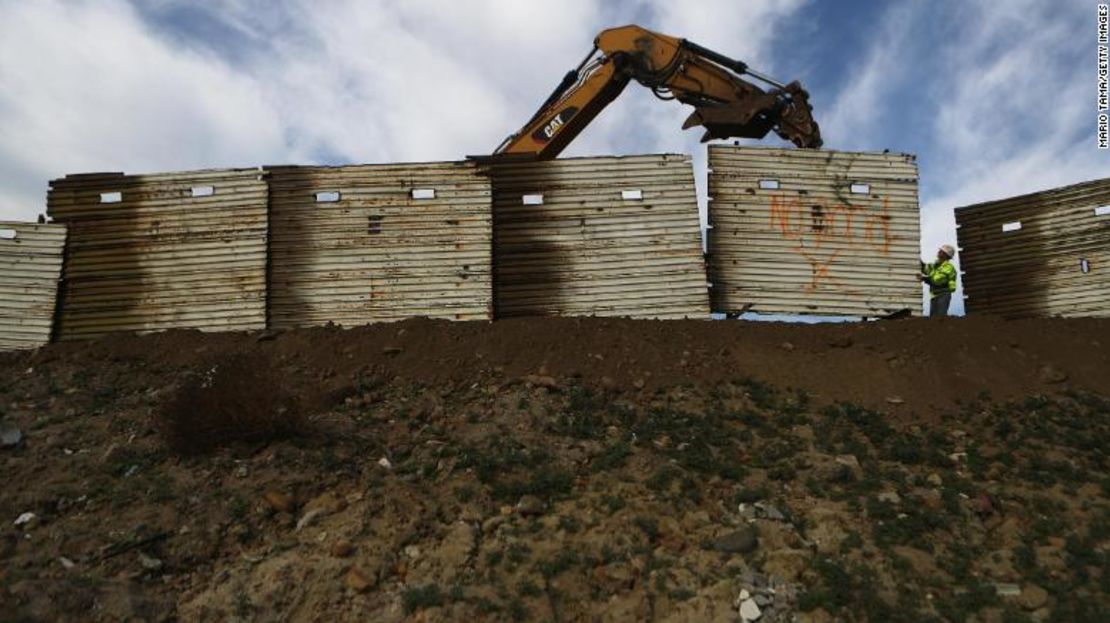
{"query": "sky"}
[(995, 99)]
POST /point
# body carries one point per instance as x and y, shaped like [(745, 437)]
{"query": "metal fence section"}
[(1041, 254), (611, 236), (162, 251), (30, 267), (367, 243), (795, 231)]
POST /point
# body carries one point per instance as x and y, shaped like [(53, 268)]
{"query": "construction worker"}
[(941, 278)]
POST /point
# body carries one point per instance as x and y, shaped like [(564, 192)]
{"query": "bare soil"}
[(563, 469)]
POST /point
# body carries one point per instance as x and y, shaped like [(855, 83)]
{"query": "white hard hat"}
[(948, 249)]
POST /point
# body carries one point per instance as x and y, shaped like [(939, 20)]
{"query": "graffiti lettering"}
[(821, 231)]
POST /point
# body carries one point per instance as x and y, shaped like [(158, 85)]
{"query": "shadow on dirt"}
[(235, 399)]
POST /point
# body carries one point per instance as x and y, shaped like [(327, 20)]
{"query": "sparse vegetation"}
[(420, 496), (421, 597)]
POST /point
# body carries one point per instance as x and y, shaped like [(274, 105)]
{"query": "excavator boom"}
[(725, 104)]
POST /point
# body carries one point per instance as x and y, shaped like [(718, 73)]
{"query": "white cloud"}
[(94, 87), (862, 107), (85, 87), (111, 86), (1004, 102)]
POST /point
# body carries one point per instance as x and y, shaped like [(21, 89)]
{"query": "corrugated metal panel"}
[(1038, 270), (145, 254), (30, 267), (812, 245), (587, 250), (367, 250)]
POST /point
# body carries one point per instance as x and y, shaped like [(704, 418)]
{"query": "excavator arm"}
[(724, 104)]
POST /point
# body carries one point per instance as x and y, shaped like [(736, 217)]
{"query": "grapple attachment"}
[(754, 112)]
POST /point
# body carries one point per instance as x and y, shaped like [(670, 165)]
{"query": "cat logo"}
[(554, 125)]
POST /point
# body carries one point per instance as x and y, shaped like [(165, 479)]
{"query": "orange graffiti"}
[(821, 231)]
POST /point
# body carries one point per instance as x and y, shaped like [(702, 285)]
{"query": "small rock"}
[(1050, 375), (307, 519), (615, 577), (894, 400), (769, 511), (530, 505), (541, 380), (638, 383), (931, 499), (788, 564), (280, 502), (10, 435), (506, 510), (491, 524), (359, 581), (889, 496), (749, 610), (826, 529), (848, 460), (982, 505), (1032, 597), (1007, 590), (24, 519), (673, 537), (762, 600), (934, 479), (149, 563), (412, 551), (241, 472), (239, 532), (843, 341), (820, 615), (758, 581), (384, 462), (787, 346), (342, 548), (392, 351), (326, 502), (742, 541)]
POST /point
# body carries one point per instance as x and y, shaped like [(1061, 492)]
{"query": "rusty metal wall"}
[(30, 268), (161, 251), (796, 231), (367, 243), (613, 236), (1054, 261)]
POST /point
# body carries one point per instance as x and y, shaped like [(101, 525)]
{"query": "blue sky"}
[(994, 98)]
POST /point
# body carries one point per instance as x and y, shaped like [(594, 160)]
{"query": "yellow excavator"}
[(724, 104)]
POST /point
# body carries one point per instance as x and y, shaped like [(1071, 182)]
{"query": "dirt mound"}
[(927, 363), (564, 469)]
